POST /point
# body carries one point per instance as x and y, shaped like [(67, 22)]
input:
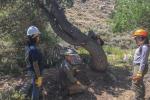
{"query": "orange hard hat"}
[(140, 32)]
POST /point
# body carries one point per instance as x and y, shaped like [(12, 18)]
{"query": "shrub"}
[(130, 14)]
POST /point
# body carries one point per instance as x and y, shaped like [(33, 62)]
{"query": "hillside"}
[(95, 15)]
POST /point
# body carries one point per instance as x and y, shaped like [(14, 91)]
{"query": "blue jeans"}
[(35, 89)]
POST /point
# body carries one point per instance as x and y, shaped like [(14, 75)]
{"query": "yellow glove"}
[(138, 76), (38, 81), (139, 73)]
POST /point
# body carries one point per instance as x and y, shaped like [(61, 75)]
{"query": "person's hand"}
[(77, 82), (137, 77), (38, 81)]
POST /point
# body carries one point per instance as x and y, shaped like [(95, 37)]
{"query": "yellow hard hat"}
[(140, 32)]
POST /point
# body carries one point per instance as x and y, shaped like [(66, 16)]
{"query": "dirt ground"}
[(101, 86)]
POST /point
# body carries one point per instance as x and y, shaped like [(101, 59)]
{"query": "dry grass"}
[(92, 14)]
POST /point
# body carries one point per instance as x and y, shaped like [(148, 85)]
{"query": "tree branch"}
[(56, 27), (65, 24)]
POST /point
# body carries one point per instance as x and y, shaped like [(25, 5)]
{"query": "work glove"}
[(38, 81), (138, 76)]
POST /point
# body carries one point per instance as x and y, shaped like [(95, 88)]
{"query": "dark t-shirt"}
[(35, 55)]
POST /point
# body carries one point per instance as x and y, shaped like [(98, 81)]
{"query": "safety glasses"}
[(139, 38)]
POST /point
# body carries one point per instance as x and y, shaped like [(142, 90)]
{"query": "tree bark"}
[(71, 34)]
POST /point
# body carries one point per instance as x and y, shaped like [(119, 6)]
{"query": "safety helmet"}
[(33, 30), (69, 51), (140, 32)]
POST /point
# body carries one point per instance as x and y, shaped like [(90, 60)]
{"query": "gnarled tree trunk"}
[(63, 28)]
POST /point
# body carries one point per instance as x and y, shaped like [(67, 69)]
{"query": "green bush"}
[(130, 14)]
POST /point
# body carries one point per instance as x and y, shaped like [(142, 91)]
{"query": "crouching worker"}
[(68, 72), (34, 59), (140, 63)]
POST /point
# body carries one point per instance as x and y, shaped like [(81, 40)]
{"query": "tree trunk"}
[(99, 59), (73, 35)]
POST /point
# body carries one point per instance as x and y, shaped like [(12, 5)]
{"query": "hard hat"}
[(69, 51), (140, 32), (33, 30)]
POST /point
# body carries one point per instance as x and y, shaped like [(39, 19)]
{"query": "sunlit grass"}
[(81, 50), (11, 95), (116, 55)]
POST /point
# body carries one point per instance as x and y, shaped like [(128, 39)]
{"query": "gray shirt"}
[(141, 56)]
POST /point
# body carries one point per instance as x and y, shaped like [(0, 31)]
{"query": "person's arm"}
[(68, 72), (34, 55), (144, 58), (36, 69), (39, 78)]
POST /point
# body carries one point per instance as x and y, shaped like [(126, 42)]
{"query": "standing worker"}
[(140, 63), (34, 59)]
